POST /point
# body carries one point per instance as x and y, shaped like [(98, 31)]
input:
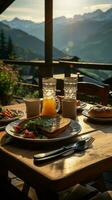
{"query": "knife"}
[(42, 155), (79, 146)]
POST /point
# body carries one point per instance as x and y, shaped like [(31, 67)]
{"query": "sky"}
[(34, 9)]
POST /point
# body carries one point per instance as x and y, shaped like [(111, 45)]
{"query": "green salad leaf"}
[(43, 121)]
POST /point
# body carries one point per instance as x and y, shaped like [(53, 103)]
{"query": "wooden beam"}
[(65, 64), (5, 4), (48, 35)]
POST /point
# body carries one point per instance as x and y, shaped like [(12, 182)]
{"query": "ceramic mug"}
[(33, 107)]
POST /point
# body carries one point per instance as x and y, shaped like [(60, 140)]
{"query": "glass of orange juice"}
[(51, 104)]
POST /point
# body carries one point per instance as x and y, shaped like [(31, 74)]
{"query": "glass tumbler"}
[(51, 104), (70, 87)]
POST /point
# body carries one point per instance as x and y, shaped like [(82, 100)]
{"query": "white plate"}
[(19, 115), (73, 129), (101, 119)]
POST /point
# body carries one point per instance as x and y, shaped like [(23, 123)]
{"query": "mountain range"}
[(26, 46), (87, 36)]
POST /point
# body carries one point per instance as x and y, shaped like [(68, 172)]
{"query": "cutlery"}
[(81, 145), (42, 155)]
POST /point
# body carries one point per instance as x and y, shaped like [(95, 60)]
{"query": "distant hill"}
[(27, 46), (98, 47), (30, 27)]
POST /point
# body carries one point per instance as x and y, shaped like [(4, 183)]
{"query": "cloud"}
[(34, 10), (92, 8), (23, 13), (20, 10), (4, 17)]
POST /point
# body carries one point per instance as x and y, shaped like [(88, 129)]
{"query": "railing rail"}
[(86, 65), (27, 84), (57, 66)]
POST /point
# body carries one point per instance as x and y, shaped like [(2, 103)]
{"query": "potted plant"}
[(8, 81)]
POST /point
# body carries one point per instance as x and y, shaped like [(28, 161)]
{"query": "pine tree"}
[(6, 48), (10, 49), (3, 49)]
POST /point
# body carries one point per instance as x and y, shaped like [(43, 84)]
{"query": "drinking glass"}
[(70, 87), (51, 104)]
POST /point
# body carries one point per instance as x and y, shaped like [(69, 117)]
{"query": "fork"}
[(49, 153), (77, 147)]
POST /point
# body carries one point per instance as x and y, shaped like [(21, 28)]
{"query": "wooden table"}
[(58, 175)]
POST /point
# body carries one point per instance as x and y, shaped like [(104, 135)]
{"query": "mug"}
[(69, 103), (33, 107), (69, 108)]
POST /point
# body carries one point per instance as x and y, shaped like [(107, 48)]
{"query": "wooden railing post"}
[(48, 37)]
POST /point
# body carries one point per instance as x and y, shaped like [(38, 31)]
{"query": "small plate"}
[(101, 119), (71, 131), (18, 113)]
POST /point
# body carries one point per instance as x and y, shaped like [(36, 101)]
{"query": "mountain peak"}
[(98, 11), (60, 19), (16, 19), (20, 21), (109, 11), (95, 14)]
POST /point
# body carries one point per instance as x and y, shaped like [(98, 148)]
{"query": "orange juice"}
[(49, 107)]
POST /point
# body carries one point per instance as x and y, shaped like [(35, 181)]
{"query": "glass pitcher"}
[(51, 104)]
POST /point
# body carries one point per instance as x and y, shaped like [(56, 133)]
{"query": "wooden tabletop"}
[(65, 172)]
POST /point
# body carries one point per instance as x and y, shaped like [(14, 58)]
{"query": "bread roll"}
[(100, 111)]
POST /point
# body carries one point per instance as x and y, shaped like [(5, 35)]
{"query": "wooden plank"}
[(64, 64), (87, 65), (5, 4)]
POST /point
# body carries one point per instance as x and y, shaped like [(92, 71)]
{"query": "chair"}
[(87, 192), (88, 91), (99, 93), (9, 191)]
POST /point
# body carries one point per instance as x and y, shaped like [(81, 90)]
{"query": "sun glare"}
[(67, 8)]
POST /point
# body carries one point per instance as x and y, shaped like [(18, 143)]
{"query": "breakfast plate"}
[(7, 115), (71, 131), (97, 119), (6, 118)]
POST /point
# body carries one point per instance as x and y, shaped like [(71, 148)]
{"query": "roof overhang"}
[(5, 4)]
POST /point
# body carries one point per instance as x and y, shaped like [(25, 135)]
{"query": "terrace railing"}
[(57, 67)]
